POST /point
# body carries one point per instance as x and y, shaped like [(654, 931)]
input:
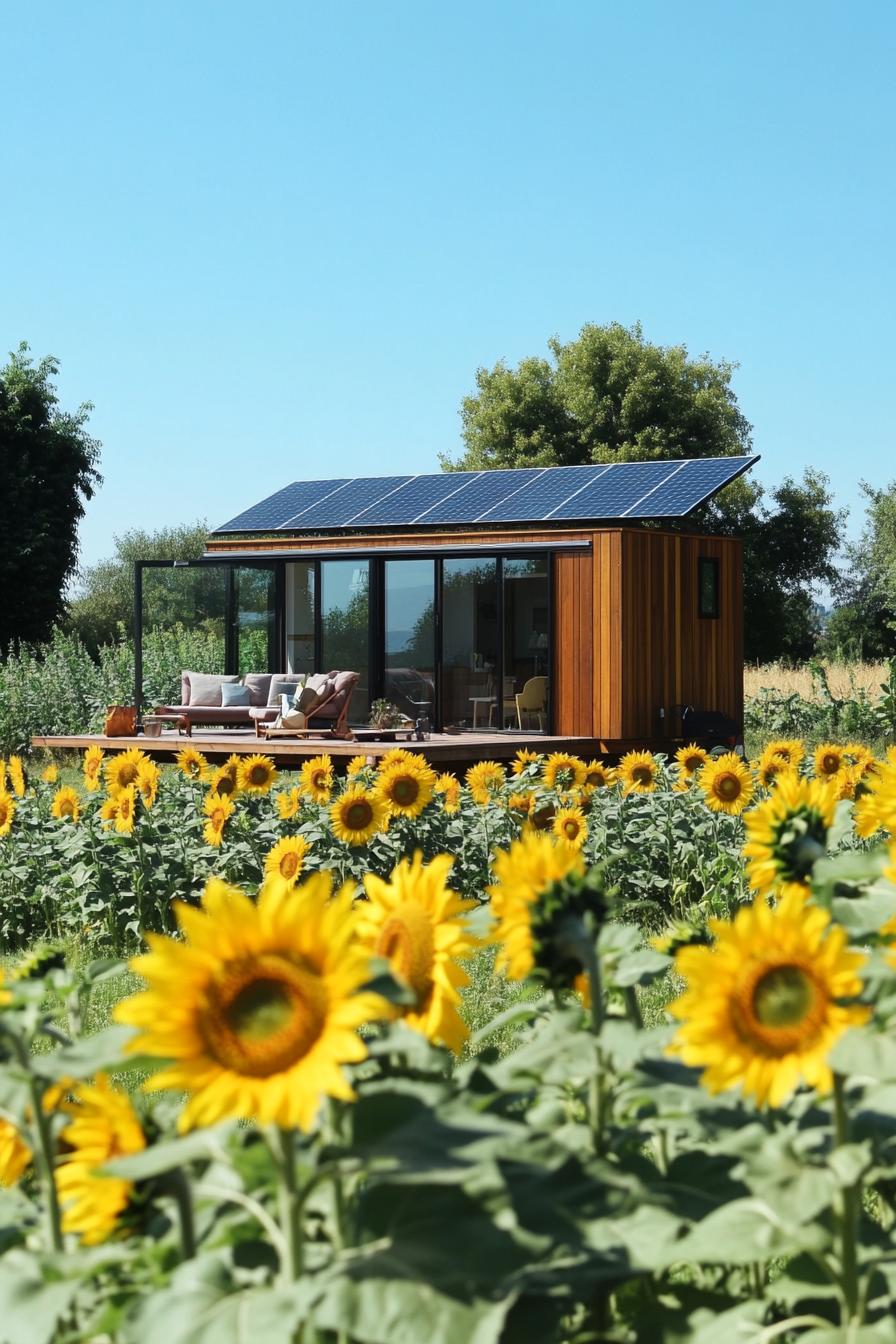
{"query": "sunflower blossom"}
[(103, 1126), (416, 922), (358, 815), (268, 1005), (787, 833), (727, 784), (764, 1005), (66, 804), (523, 874)]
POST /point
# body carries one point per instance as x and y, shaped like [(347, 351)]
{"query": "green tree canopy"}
[(610, 395), (105, 601), (48, 469), (863, 623)]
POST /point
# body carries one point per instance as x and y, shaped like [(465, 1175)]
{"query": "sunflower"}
[(91, 766), (407, 786), (541, 818), (288, 804), (563, 772), (358, 815), (727, 784), (859, 756), (7, 813), (16, 771), (126, 810), (524, 873), (788, 832), (829, 760), (267, 1007), (356, 766), (121, 769), (770, 767), (256, 774), (15, 1155), (691, 759), (66, 804), (523, 759), (148, 775), (109, 810), (638, 772), (316, 778), (763, 1006), (791, 748), (103, 1127), (286, 860), (397, 756), (223, 781), (522, 803), (570, 827), (416, 922), (50, 774), (448, 786), (485, 780), (193, 764), (598, 776), (890, 870), (876, 808), (217, 808)]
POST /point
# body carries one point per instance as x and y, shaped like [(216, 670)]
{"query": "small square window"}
[(708, 586)]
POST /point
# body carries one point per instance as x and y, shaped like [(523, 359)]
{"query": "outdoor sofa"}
[(209, 699)]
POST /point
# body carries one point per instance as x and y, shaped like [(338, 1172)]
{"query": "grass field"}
[(844, 679)]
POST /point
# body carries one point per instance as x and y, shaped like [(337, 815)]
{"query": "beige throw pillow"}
[(205, 687)]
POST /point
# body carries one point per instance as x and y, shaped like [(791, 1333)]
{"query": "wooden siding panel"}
[(572, 658)]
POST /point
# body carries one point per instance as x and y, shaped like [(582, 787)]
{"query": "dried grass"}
[(844, 679)]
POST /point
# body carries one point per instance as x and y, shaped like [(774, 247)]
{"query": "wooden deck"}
[(447, 750)]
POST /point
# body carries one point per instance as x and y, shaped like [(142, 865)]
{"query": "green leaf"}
[(203, 1145), (863, 1052), (90, 1055), (745, 1231), (30, 1304)]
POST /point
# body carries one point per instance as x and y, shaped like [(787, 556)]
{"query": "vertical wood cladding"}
[(629, 640)]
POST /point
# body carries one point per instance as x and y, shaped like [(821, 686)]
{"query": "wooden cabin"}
[(547, 600)]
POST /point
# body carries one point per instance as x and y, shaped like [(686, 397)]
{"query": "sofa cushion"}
[(235, 695), (283, 683), (258, 685), (204, 688), (317, 689)]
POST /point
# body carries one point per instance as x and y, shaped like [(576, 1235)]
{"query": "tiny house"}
[(543, 600)]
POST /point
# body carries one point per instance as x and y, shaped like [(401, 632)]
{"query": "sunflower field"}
[(299, 1125)]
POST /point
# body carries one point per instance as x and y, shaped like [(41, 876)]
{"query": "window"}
[(708, 586)]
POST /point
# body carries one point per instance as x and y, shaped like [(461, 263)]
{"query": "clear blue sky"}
[(275, 241)]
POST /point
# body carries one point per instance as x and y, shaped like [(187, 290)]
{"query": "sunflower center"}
[(727, 787), (405, 790), (543, 817), (225, 785), (692, 763), (799, 844), (829, 764), (263, 1015), (780, 1009), (127, 773), (642, 774), (406, 941), (289, 865), (258, 774), (783, 997), (358, 815), (571, 829), (66, 808)]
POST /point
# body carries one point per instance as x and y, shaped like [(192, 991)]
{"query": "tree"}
[(48, 468), (863, 623), (105, 601), (612, 396)]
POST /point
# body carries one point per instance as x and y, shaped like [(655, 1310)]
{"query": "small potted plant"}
[(386, 718)]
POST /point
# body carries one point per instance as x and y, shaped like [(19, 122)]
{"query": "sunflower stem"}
[(290, 1206), (596, 1098), (848, 1214), (44, 1149), (176, 1185)]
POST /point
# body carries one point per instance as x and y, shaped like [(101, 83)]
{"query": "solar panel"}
[(276, 509), (407, 504), (480, 494), (337, 509), (620, 490)]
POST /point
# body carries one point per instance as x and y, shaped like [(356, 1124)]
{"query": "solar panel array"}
[(522, 495)]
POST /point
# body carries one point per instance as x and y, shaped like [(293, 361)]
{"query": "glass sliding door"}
[(526, 614), (409, 670), (254, 620), (300, 617), (470, 643), (345, 627)]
